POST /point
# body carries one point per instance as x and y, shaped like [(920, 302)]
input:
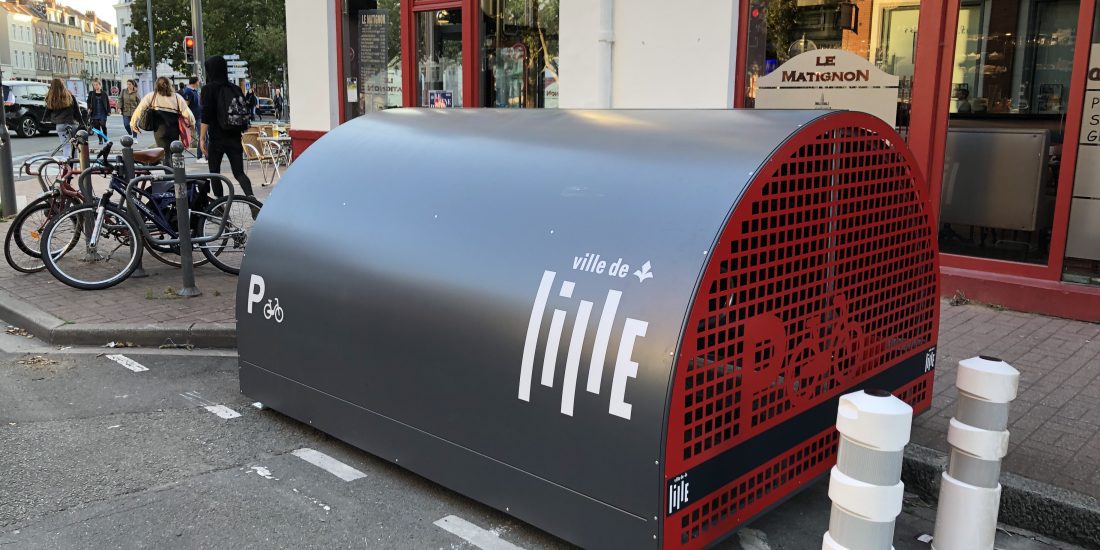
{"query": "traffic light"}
[(189, 48)]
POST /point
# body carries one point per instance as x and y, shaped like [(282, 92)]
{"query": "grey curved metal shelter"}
[(628, 328)]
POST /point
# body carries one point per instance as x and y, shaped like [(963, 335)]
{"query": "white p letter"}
[(255, 291)]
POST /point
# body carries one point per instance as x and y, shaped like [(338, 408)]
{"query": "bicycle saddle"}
[(149, 156)]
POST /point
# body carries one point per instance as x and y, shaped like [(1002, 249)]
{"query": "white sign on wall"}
[(1090, 122), (830, 79)]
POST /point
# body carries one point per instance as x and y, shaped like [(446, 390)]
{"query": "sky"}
[(104, 9)]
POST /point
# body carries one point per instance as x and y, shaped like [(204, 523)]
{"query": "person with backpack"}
[(250, 98), (99, 107), (225, 116), (166, 114), (191, 94)]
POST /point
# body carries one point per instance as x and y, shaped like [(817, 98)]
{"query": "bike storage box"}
[(627, 328)]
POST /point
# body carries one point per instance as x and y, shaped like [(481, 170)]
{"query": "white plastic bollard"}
[(865, 485), (970, 493)]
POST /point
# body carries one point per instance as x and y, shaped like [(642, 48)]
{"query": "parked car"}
[(265, 107), (26, 108)]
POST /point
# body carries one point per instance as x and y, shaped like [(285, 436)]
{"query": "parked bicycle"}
[(115, 234)]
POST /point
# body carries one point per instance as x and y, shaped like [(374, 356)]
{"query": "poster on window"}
[(830, 79), (373, 61), (440, 99)]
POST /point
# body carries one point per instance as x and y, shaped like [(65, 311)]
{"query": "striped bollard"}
[(865, 485), (970, 493)]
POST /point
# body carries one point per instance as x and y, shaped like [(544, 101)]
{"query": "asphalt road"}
[(26, 147), (95, 455)]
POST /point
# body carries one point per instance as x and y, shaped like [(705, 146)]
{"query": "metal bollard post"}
[(85, 161), (970, 493), (128, 165), (183, 222), (865, 485)]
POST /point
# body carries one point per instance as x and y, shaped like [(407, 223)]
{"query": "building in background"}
[(990, 96), (17, 42)]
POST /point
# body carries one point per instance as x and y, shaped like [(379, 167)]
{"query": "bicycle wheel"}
[(171, 254), (32, 221), (110, 262), (22, 243), (228, 252)]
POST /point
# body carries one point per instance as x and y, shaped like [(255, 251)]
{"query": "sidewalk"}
[(143, 311), (1051, 474)]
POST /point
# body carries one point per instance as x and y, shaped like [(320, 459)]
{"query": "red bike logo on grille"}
[(828, 354)]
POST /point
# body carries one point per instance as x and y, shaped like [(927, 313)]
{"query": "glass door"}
[(439, 58)]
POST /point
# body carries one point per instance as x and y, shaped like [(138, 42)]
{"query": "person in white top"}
[(168, 117)]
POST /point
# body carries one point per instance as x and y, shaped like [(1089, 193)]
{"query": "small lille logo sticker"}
[(644, 273)]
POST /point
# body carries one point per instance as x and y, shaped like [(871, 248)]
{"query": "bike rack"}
[(171, 179)]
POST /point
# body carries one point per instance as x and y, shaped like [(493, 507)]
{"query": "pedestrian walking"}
[(191, 94), (250, 98), (127, 104), (99, 108), (278, 101), (168, 116), (225, 116), (63, 111)]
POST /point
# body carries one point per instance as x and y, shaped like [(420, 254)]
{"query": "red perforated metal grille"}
[(824, 276)]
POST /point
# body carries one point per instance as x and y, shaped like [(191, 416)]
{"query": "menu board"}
[(373, 58)]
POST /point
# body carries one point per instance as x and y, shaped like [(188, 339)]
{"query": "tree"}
[(254, 29)]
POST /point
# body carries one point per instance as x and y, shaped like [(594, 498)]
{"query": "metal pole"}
[(183, 222), (128, 165), (7, 178), (152, 48), (200, 49)]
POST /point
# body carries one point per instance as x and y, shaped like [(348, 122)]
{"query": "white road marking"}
[(752, 539), (481, 538), (262, 472), (223, 411), (329, 464), (127, 362)]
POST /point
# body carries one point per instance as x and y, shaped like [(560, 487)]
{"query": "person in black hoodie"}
[(218, 141)]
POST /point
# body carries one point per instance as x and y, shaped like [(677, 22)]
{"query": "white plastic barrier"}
[(865, 485), (970, 493)]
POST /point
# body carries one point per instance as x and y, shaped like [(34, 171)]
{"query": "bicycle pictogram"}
[(275, 311)]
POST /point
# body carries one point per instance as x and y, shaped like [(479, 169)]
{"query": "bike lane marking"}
[(481, 538), (221, 410), (328, 464), (128, 363)]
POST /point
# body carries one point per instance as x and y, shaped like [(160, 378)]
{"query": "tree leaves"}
[(254, 29)]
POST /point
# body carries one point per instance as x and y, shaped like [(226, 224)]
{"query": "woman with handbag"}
[(164, 113)]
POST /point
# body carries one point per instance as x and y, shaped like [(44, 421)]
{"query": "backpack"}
[(235, 113)]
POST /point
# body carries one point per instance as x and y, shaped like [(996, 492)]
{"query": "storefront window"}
[(1010, 84), (521, 53), (439, 58), (372, 46), (879, 39), (1082, 262)]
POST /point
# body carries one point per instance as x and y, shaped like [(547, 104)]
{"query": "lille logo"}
[(624, 368)]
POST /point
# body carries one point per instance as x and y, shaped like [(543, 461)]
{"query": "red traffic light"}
[(189, 41), (755, 13)]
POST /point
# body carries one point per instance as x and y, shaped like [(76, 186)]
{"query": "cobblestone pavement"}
[(149, 300), (1054, 423)]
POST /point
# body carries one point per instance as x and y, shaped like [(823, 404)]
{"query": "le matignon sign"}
[(830, 79)]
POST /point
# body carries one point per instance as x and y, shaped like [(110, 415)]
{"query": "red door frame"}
[(471, 47), (928, 128)]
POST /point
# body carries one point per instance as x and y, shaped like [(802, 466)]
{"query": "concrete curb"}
[(1039, 507), (18, 312)]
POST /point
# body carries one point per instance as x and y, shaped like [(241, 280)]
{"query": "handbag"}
[(185, 132), (145, 122)]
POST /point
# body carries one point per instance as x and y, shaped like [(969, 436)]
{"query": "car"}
[(265, 107), (25, 104)]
